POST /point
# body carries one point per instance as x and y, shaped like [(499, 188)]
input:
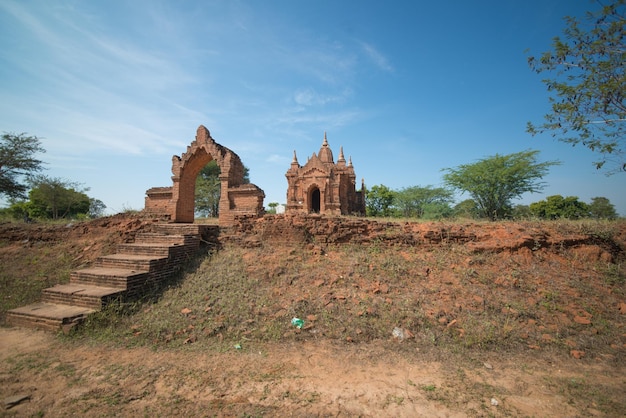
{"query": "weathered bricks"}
[(89, 296), (46, 316), (131, 280)]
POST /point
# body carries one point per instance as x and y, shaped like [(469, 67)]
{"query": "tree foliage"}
[(272, 207), (55, 198), (379, 201), (437, 210), (602, 208), (494, 181), (208, 189), (17, 160), (558, 207), (521, 212), (588, 84), (466, 209), (420, 202), (96, 208)]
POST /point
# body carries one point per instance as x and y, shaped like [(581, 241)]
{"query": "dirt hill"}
[(400, 319)]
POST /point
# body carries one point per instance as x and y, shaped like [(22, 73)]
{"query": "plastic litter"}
[(398, 333), (297, 322)]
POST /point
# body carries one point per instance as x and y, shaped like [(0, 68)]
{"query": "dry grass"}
[(444, 298)]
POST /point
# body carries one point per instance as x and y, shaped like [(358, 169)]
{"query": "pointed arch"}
[(235, 199)]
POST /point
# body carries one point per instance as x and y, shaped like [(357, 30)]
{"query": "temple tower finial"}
[(325, 154), (341, 161), (294, 162)]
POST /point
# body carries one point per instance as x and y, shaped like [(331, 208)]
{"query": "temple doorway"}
[(315, 200)]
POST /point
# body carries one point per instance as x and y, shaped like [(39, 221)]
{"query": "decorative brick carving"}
[(178, 201), (321, 186)]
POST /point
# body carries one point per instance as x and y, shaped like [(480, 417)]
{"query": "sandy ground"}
[(45, 376)]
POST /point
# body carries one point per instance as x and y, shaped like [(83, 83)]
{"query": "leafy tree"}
[(437, 210), (17, 159), (493, 182), (602, 208), (521, 212), (56, 198), (556, 207), (208, 189), (589, 84), (96, 208), (18, 209), (272, 207), (466, 209), (415, 201), (379, 200)]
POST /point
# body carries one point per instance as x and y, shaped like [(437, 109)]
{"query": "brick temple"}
[(323, 186)]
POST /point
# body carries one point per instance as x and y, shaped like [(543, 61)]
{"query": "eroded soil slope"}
[(410, 319)]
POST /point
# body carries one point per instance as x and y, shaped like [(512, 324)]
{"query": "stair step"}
[(119, 278), (47, 316), (154, 249), (179, 229), (155, 237), (88, 296), (131, 261)]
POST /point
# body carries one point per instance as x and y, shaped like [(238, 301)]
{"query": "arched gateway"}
[(177, 201)]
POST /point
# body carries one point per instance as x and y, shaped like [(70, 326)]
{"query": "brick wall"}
[(320, 229), (158, 201)]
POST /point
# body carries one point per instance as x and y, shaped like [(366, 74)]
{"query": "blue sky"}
[(115, 88)]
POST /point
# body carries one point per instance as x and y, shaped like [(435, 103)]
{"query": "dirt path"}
[(302, 379)]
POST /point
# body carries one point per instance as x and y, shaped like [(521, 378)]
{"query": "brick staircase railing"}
[(134, 269)]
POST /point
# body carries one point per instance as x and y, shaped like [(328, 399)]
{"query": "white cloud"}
[(378, 58), (281, 160), (310, 97)]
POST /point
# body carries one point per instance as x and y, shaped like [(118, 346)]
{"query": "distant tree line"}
[(385, 202), (492, 183)]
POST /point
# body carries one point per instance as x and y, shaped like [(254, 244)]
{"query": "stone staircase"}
[(133, 270)]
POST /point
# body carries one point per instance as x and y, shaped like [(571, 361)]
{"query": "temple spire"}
[(325, 154), (294, 161), (341, 161)]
